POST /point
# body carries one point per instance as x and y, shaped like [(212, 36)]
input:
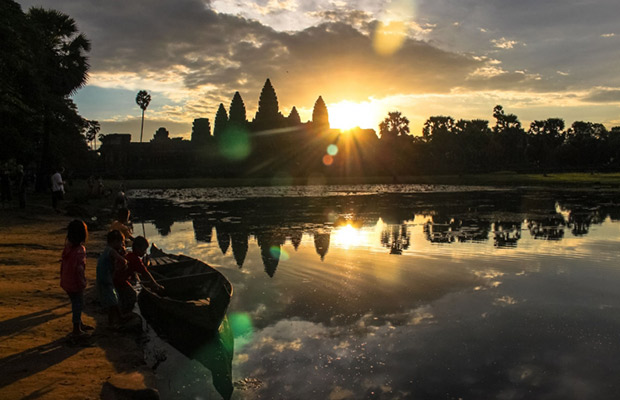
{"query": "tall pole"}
[(142, 126)]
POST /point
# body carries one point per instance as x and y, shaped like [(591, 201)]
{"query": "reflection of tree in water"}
[(474, 230), (439, 229), (442, 229), (239, 241), (550, 228), (396, 238), (270, 244), (223, 236), (579, 220), (296, 235), (506, 233), (321, 243)]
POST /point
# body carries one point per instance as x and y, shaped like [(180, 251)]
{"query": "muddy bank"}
[(37, 359)]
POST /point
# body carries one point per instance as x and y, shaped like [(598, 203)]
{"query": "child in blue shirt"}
[(108, 261)]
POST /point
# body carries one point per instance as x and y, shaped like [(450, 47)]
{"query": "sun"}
[(347, 115)]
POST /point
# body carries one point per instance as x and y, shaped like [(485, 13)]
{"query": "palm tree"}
[(60, 68), (92, 129), (394, 125), (143, 99)]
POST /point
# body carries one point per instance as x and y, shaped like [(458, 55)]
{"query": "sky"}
[(538, 59)]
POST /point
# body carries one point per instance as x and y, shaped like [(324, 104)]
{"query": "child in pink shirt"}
[(72, 272)]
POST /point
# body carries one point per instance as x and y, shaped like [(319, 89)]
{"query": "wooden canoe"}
[(195, 294)]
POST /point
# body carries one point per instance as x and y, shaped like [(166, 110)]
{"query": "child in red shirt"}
[(123, 278), (72, 272)]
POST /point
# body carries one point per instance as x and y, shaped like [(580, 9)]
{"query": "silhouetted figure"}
[(5, 185), (58, 188), (20, 184)]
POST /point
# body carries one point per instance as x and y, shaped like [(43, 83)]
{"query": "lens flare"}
[(241, 324), (328, 160), (332, 149), (234, 144), (278, 253)]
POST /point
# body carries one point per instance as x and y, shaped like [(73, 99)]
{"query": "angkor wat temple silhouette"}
[(271, 144)]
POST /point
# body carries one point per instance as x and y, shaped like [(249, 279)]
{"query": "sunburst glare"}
[(347, 115)]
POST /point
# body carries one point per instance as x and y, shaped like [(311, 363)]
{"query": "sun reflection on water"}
[(347, 237)]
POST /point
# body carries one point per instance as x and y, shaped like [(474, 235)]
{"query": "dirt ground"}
[(37, 358)]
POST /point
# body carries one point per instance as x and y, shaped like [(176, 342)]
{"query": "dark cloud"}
[(233, 53), (603, 96)]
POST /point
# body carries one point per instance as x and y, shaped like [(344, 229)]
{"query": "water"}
[(397, 292)]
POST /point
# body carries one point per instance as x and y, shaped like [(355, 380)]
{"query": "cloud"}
[(504, 43), (196, 54), (603, 95)]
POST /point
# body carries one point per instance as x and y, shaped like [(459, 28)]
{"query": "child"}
[(72, 272), (122, 223), (110, 260), (122, 278)]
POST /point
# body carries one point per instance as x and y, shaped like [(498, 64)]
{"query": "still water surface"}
[(399, 292)]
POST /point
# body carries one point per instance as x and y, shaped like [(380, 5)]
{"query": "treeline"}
[(42, 62), (453, 146)]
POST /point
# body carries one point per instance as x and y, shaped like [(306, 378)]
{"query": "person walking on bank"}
[(5, 185), (20, 183), (58, 188), (72, 273)]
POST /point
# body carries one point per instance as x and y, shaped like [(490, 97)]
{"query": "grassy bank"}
[(508, 179)]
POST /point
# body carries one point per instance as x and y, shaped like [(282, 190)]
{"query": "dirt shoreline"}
[(37, 361)]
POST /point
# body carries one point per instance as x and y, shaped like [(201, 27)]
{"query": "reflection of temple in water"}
[(396, 238), (453, 218), (296, 236), (550, 228), (239, 241), (223, 237), (506, 233), (203, 230), (270, 244), (321, 243)]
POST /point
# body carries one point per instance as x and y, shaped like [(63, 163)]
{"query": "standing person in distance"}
[(58, 188)]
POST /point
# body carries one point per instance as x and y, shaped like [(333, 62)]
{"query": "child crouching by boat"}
[(109, 261), (135, 266)]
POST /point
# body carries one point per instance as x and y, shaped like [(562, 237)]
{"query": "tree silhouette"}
[(59, 69), (92, 128), (394, 125), (143, 98), (320, 117), (221, 119)]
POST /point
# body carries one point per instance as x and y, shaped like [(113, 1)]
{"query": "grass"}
[(505, 179)]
